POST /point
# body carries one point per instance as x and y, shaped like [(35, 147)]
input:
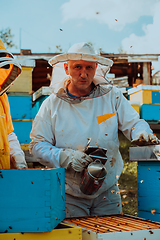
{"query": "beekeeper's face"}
[(81, 74)]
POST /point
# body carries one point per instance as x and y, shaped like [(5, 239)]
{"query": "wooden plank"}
[(62, 231)]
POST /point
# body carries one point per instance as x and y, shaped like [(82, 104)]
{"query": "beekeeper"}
[(84, 105), (11, 154)]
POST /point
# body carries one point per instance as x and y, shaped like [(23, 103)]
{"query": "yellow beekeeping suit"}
[(9, 71), (6, 127)]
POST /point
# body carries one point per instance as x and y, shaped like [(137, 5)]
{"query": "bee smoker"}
[(93, 176)]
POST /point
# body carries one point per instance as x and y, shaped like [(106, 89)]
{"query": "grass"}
[(128, 179)]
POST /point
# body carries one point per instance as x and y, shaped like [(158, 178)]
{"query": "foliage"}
[(6, 36)]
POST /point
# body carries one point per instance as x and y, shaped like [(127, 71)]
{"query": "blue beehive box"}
[(148, 178), (38, 97), (37, 104), (31, 200), (21, 113), (22, 130), (150, 112), (21, 107), (156, 97)]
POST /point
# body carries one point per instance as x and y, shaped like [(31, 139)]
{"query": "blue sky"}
[(41, 25)]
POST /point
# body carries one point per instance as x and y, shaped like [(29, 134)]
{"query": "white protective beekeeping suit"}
[(63, 124)]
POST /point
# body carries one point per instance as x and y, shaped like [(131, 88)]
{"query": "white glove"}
[(143, 138), (74, 158), (18, 162)]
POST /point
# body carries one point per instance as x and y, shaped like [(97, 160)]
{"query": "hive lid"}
[(151, 153), (143, 87)]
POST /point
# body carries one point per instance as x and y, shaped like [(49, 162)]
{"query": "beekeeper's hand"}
[(18, 162), (74, 158), (143, 138)]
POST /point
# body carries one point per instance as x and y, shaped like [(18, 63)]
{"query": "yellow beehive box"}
[(24, 82), (63, 231), (145, 94), (135, 105)]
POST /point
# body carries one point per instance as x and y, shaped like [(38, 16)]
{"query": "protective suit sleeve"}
[(43, 140), (16, 154), (135, 129), (47, 154), (6, 107), (51, 156), (127, 115), (139, 126), (143, 135)]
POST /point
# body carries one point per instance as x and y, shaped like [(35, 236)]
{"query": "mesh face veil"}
[(80, 51), (9, 69)]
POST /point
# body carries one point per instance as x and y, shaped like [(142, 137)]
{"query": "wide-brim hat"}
[(81, 51), (9, 69)]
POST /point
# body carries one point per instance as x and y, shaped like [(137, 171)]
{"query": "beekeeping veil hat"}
[(79, 51), (9, 69)]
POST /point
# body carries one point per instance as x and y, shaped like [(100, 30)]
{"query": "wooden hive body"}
[(31, 200)]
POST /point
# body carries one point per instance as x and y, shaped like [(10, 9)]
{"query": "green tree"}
[(7, 36)]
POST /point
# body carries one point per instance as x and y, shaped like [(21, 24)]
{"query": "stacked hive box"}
[(113, 227), (148, 97), (31, 200), (21, 113), (135, 105), (148, 180), (21, 102), (38, 97), (32, 205), (62, 231)]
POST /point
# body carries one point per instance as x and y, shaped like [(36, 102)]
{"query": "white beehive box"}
[(116, 227), (145, 94)]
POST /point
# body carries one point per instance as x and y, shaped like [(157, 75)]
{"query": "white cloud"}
[(115, 13), (150, 42)]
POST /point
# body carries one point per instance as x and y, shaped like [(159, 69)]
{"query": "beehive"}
[(31, 200), (113, 227), (23, 83), (38, 97), (150, 112), (148, 180), (21, 113), (145, 94), (62, 231), (135, 105)]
